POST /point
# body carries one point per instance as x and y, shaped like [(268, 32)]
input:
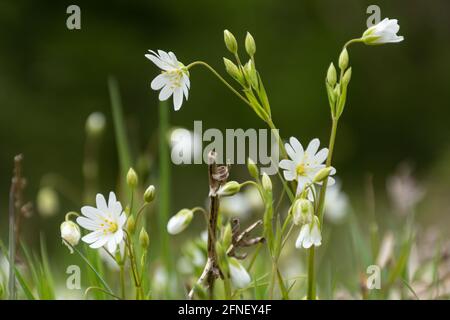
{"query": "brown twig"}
[(241, 239), (218, 175)]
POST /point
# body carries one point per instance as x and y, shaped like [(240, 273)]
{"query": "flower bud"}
[(149, 194), (70, 232), (250, 45), (252, 168), (144, 240), (250, 73), (95, 124), (266, 182), (343, 59), (131, 224), (233, 70), (47, 202), (230, 42), (347, 76), (180, 221), (322, 174), (303, 211), (331, 75), (229, 189), (239, 276), (227, 235), (132, 178)]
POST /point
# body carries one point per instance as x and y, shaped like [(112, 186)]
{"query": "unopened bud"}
[(180, 221), (343, 59), (252, 168), (347, 76), (131, 224), (132, 178), (250, 45), (322, 174), (230, 42), (229, 189), (144, 240), (331, 75), (70, 232), (233, 70), (227, 235), (149, 194), (303, 211), (266, 182)]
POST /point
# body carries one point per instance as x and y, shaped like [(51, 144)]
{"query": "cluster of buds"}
[(337, 91), (246, 74)]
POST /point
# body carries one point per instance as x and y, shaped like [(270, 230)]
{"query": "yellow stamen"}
[(300, 169)]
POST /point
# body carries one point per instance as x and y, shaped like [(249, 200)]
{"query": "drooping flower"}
[(105, 221), (383, 32), (180, 221), (70, 233), (309, 235), (239, 276), (304, 164), (173, 80)]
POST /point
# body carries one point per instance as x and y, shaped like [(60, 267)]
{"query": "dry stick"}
[(218, 175)]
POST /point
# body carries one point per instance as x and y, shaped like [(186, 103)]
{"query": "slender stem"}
[(164, 181), (320, 212), (229, 86), (311, 275), (352, 41), (323, 190), (122, 281)]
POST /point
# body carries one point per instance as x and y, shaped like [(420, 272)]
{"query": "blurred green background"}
[(52, 78)]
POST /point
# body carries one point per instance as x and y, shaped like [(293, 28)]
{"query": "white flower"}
[(239, 276), (70, 232), (174, 78), (336, 203), (180, 221), (309, 235), (105, 222), (383, 32), (304, 164)]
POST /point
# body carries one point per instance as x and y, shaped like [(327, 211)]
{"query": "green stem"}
[(320, 212), (164, 181), (225, 82), (311, 275), (323, 190)]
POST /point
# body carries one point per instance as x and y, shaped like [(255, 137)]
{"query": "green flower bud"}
[(347, 76), (149, 194), (266, 182), (227, 235), (322, 174), (250, 45), (229, 189), (343, 59), (132, 178), (252, 168), (131, 224), (250, 74), (233, 70), (331, 75), (144, 240), (230, 42)]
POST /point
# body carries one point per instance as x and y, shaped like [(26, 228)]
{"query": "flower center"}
[(300, 169), (110, 226)]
